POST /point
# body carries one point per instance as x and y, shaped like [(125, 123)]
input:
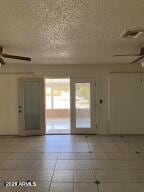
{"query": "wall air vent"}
[(132, 33)]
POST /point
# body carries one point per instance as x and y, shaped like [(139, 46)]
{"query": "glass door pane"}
[(32, 105), (83, 105)]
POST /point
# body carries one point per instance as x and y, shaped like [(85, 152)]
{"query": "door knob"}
[(19, 109)]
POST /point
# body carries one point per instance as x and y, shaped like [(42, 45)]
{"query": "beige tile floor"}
[(64, 163)]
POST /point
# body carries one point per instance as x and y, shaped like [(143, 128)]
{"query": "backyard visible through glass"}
[(57, 99), (82, 105)]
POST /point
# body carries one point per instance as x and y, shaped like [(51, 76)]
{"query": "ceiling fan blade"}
[(2, 62), (127, 55), (136, 60), (16, 57)]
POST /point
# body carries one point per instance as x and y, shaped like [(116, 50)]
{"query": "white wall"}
[(126, 103), (8, 95), (9, 104)]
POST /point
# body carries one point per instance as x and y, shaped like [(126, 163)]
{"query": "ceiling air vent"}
[(132, 33)]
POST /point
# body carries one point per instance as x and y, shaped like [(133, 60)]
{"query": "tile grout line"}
[(52, 175), (73, 180)]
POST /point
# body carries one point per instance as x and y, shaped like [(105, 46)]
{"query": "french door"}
[(31, 108), (83, 113)]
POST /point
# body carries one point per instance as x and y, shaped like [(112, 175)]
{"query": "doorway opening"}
[(57, 106)]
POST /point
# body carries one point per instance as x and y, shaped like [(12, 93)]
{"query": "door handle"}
[(19, 110)]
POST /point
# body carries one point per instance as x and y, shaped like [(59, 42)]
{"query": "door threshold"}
[(58, 134), (70, 134)]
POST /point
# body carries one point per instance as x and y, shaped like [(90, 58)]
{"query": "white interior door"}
[(83, 116), (31, 106)]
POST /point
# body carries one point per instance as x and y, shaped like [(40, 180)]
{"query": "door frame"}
[(92, 82), (21, 121)]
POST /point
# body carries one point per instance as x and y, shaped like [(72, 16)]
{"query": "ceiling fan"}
[(3, 55), (140, 55)]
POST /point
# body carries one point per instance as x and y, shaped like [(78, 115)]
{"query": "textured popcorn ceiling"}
[(70, 31)]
